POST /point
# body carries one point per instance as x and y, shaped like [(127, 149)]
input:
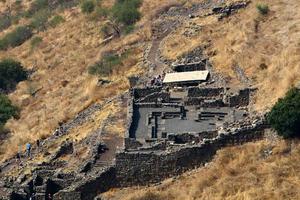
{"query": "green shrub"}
[(35, 42), (129, 29), (36, 6), (100, 12), (11, 72), (285, 115), (88, 6), (5, 22), (16, 37), (56, 20), (263, 9), (106, 66), (40, 19), (126, 11), (15, 19), (7, 110)]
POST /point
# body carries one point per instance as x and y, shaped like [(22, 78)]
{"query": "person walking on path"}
[(28, 149), (38, 145)]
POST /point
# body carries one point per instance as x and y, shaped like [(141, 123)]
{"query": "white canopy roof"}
[(186, 76)]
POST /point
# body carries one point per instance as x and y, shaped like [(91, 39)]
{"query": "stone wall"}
[(198, 66), (209, 103), (143, 92), (205, 92), (144, 167), (155, 97), (132, 143), (241, 99), (89, 187)]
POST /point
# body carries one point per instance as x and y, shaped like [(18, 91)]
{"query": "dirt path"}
[(241, 76), (153, 56), (167, 23)]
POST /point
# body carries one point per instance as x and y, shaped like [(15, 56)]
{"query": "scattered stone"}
[(64, 149)]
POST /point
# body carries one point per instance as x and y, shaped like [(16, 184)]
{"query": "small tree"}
[(263, 9), (285, 115), (16, 37), (7, 110), (126, 11), (88, 6), (11, 72), (56, 20)]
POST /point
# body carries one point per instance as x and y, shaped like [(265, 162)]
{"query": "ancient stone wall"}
[(89, 187), (205, 92), (241, 99), (144, 167), (143, 92), (156, 97), (132, 143), (212, 103), (198, 66)]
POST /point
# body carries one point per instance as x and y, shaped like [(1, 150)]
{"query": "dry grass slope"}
[(250, 41)]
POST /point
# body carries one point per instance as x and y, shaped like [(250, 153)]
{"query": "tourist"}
[(28, 149), (38, 145), (18, 158)]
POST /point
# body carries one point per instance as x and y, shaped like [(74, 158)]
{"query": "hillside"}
[(245, 49)]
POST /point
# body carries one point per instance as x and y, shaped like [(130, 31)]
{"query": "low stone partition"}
[(132, 143), (208, 103), (241, 99), (143, 92), (155, 97), (205, 92), (89, 187), (197, 66), (185, 138), (145, 167)]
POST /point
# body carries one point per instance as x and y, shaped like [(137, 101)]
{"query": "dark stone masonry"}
[(168, 137)]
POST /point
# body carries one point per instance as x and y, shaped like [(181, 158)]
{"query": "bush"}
[(11, 72), (263, 9), (5, 22), (126, 11), (35, 42), (88, 6), (7, 110), (100, 13), (16, 37), (36, 6), (129, 29), (285, 115), (56, 20), (106, 66), (40, 19)]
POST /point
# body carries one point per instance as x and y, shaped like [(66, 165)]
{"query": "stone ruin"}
[(174, 130), (170, 130)]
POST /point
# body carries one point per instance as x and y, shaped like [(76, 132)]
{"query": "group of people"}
[(157, 80), (27, 151)]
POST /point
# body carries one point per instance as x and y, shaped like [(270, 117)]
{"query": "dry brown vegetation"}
[(243, 172), (250, 41)]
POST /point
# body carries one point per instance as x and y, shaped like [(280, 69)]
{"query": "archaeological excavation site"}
[(139, 103)]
